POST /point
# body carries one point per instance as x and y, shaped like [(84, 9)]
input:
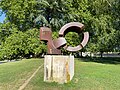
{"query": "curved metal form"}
[(74, 27), (85, 39), (55, 45), (59, 42)]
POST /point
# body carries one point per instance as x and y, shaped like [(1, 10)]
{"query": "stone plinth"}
[(58, 68)]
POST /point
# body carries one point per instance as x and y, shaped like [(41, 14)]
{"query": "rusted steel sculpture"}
[(54, 46)]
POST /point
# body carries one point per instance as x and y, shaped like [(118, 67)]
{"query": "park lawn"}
[(14, 74), (88, 76)]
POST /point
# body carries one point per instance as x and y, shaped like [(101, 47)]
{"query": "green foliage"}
[(103, 38), (55, 35), (102, 33), (34, 45), (100, 17), (73, 39), (20, 44), (116, 22), (54, 13), (19, 13)]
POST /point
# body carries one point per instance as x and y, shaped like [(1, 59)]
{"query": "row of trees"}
[(19, 34)]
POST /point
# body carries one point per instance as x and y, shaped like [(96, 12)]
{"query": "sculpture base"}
[(58, 68)]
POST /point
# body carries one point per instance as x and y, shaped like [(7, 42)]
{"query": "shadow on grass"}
[(104, 60), (2, 62)]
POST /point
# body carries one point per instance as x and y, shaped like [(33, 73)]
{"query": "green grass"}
[(14, 74), (88, 76)]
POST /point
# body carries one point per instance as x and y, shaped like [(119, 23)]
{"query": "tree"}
[(100, 17), (103, 31), (20, 44), (116, 22), (54, 13), (19, 13)]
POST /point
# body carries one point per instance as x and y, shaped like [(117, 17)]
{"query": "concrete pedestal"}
[(58, 68)]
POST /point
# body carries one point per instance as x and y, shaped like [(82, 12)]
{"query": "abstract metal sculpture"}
[(54, 46)]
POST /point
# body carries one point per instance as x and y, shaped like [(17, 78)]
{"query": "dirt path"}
[(28, 80)]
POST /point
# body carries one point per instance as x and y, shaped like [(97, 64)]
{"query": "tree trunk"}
[(81, 54), (90, 54), (101, 54)]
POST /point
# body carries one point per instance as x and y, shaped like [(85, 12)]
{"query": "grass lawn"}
[(14, 74), (89, 75)]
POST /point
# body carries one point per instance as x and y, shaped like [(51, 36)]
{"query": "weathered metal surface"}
[(59, 42), (55, 45), (71, 27), (46, 35), (85, 39)]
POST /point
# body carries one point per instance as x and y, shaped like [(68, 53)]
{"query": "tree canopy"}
[(19, 33)]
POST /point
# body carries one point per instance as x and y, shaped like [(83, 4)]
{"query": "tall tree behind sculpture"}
[(97, 15), (54, 13)]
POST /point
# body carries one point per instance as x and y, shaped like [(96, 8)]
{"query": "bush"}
[(22, 44)]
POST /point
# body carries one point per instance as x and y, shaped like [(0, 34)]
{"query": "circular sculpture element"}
[(54, 46), (74, 27)]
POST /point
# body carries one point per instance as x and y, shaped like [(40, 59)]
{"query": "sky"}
[(2, 17)]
